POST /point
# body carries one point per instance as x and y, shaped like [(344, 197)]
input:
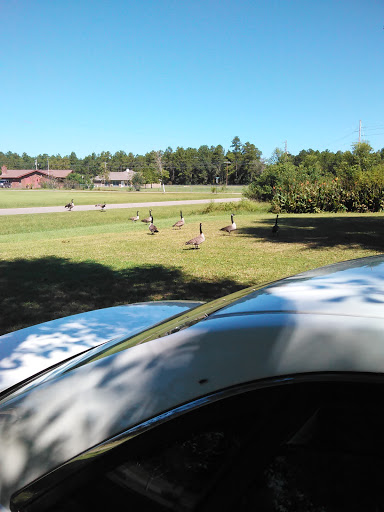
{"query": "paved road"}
[(132, 206)]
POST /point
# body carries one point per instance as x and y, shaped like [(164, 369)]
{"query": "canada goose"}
[(275, 227), (197, 240), (148, 219), (231, 227), (102, 206), (135, 218), (152, 228), (70, 205), (180, 223)]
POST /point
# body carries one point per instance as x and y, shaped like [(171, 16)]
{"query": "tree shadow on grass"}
[(42, 289), (320, 232)]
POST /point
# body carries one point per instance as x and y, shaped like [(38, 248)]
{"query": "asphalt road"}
[(131, 206)]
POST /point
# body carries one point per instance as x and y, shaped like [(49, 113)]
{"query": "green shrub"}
[(244, 205), (363, 195), (299, 189), (137, 181)]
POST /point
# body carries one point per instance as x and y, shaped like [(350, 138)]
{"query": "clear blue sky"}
[(91, 75)]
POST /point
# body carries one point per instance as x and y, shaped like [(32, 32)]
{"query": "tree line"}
[(314, 181), (241, 164), (205, 165)]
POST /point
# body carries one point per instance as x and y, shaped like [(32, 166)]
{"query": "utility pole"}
[(359, 131), (48, 165), (286, 148)]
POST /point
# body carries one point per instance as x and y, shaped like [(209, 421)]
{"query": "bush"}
[(244, 205), (258, 192), (279, 175), (361, 196), (296, 190), (137, 181)]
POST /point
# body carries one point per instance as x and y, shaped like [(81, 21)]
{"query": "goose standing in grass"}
[(70, 205), (135, 218), (102, 206), (148, 219), (231, 227), (180, 223), (152, 228), (197, 240), (275, 227)]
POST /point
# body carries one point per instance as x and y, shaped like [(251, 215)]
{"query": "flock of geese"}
[(196, 241), (71, 204)]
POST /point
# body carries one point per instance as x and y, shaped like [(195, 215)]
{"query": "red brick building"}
[(33, 178)]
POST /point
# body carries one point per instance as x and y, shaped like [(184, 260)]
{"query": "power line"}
[(342, 138), (376, 125), (373, 130)]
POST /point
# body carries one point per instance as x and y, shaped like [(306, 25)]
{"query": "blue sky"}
[(91, 75)]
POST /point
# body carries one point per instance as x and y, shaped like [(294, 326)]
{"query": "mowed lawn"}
[(53, 265), (10, 198)]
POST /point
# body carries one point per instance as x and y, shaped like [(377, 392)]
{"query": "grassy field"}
[(52, 265), (33, 198)]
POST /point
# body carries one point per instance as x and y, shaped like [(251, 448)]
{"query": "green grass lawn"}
[(34, 198), (53, 265)]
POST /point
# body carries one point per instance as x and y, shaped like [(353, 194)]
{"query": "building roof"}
[(59, 173), (20, 173), (126, 175)]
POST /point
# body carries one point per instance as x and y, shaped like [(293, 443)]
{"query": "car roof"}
[(306, 330)]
